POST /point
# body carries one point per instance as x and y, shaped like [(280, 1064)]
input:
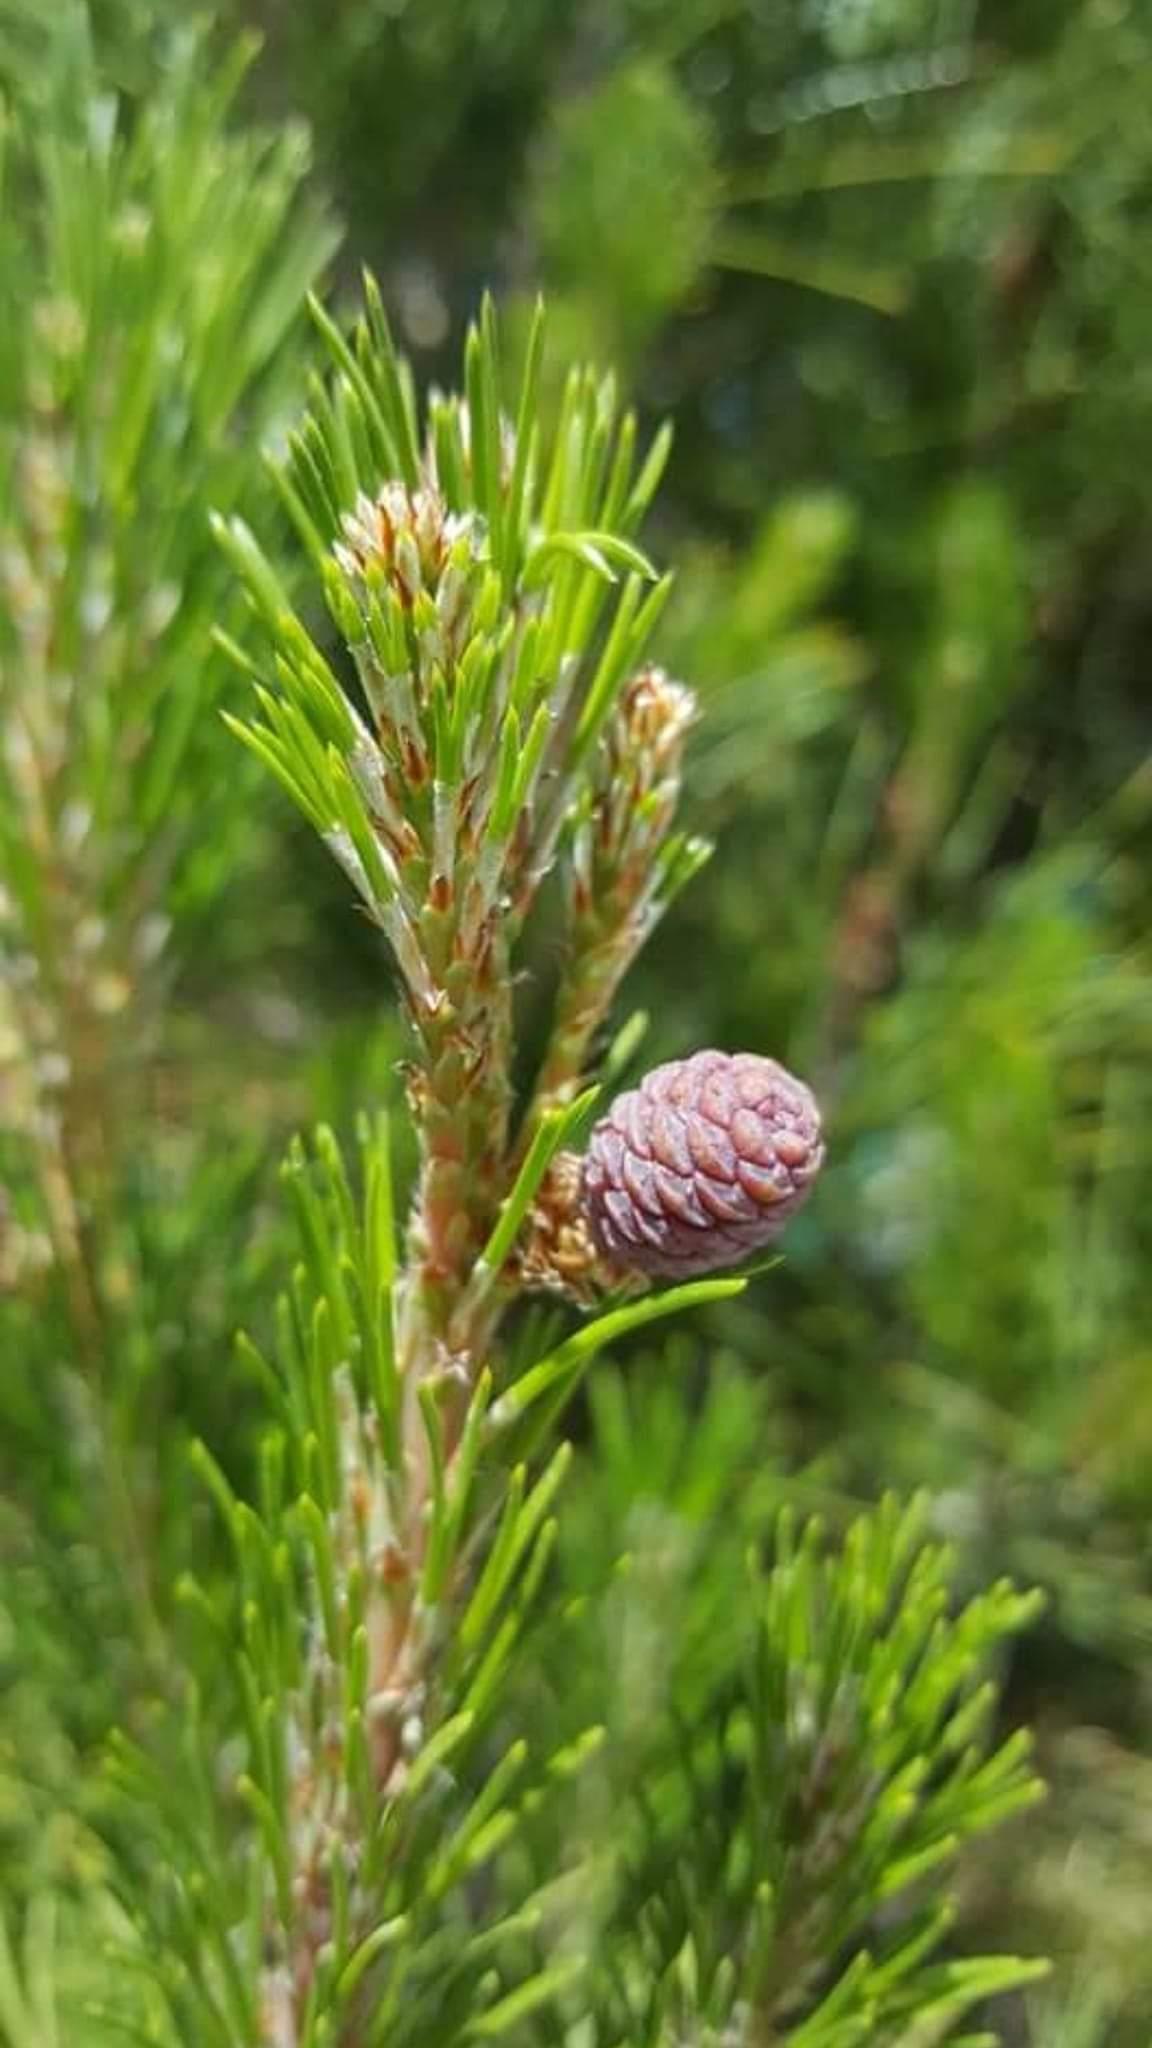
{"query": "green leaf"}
[(552, 1134), (754, 251), (381, 1939), (528, 1998), (602, 552), (563, 1367), (522, 1519)]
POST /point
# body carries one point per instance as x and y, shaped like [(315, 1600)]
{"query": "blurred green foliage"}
[(886, 262)]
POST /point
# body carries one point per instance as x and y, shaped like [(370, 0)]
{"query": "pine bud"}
[(638, 778), (429, 559), (650, 723), (700, 1165)]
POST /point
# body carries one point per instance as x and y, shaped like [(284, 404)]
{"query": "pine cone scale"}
[(712, 1151), (670, 1142)]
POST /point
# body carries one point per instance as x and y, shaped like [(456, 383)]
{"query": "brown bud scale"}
[(702, 1164), (557, 1253)]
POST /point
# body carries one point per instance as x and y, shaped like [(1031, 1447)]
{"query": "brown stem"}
[(582, 1003), (601, 950), (75, 1161), (460, 1097)]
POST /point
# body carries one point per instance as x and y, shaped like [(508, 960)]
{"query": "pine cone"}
[(700, 1165)]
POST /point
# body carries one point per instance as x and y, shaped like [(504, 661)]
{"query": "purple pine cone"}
[(702, 1164)]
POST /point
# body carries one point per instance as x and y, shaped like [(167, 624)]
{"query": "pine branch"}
[(153, 326), (389, 1583)]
